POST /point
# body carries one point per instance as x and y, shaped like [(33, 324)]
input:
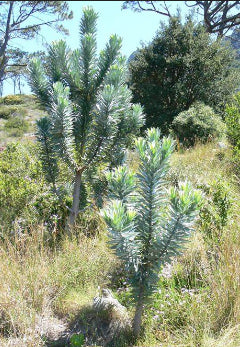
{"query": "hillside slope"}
[(49, 279), (18, 114)]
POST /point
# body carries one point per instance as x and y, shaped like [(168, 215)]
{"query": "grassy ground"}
[(47, 288), (42, 288), (27, 111)]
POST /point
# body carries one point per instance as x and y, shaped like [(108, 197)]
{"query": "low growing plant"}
[(11, 111), (17, 126), (148, 223), (216, 210), (7, 111), (198, 123), (233, 123), (13, 99)]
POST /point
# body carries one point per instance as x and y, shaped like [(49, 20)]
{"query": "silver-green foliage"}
[(148, 221), (91, 117)]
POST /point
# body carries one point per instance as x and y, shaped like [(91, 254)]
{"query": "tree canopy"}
[(24, 20), (218, 17), (181, 65)]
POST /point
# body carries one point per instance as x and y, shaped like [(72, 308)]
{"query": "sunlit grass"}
[(198, 305), (38, 281)]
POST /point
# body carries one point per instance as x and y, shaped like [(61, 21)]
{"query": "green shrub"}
[(47, 208), (232, 119), (13, 100), (7, 111), (216, 210), (198, 123), (233, 122), (25, 198), (16, 126), (20, 181)]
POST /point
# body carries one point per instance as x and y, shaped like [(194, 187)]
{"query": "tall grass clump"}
[(40, 284)]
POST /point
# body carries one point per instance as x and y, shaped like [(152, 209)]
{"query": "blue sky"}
[(132, 27)]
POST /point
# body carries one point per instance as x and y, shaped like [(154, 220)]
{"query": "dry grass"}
[(202, 163), (42, 287), (39, 284), (210, 314)]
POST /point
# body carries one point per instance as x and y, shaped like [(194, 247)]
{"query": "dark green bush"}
[(198, 123), (181, 65)]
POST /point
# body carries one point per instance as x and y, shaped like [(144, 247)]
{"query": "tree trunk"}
[(19, 85), (76, 197), (4, 44), (137, 321)]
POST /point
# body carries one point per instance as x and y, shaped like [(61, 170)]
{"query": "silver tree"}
[(91, 117), (147, 223)]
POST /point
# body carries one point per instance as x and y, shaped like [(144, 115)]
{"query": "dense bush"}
[(181, 65), (12, 110), (13, 100), (27, 200), (20, 180), (198, 123), (216, 210), (233, 122), (16, 126), (7, 111)]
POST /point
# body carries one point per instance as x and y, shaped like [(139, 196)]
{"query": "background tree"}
[(24, 19), (160, 7), (218, 16), (148, 227), (91, 117), (181, 65), (234, 40), (16, 69)]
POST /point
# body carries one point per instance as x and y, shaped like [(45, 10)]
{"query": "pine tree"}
[(90, 115), (148, 226)]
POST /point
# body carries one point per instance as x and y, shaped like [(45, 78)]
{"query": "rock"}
[(222, 145), (107, 302), (113, 313)]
